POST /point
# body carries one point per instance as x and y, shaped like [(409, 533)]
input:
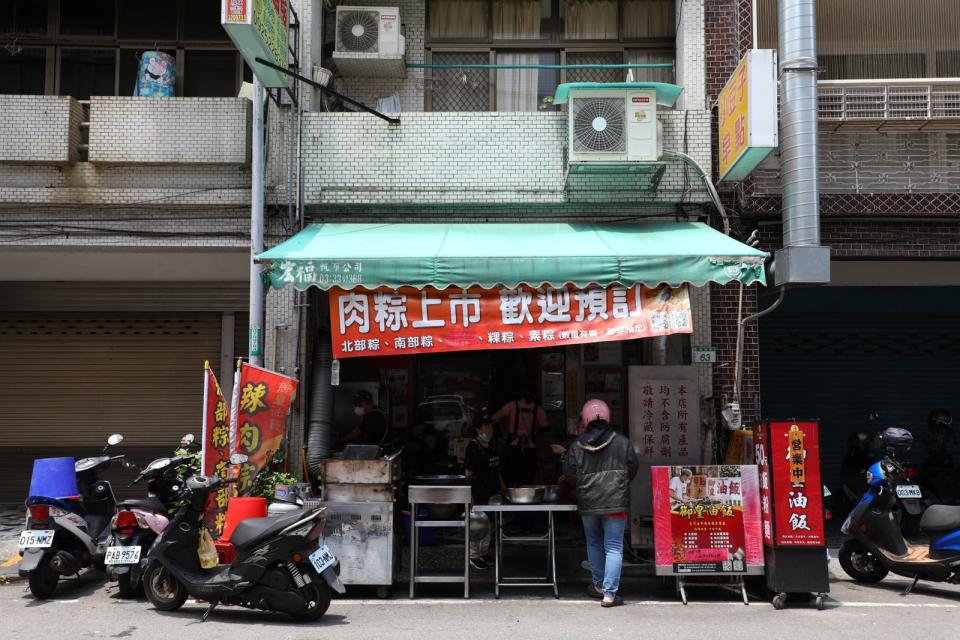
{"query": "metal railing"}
[(926, 99)]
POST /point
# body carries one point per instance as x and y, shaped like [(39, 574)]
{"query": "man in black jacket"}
[(600, 464)]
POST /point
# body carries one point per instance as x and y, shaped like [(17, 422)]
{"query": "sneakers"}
[(616, 601), (594, 592), (479, 564)]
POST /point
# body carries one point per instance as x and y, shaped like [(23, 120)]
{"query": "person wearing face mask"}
[(481, 463), (678, 489), (524, 418), (372, 428)]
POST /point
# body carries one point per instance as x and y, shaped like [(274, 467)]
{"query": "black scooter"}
[(278, 567), (139, 521)]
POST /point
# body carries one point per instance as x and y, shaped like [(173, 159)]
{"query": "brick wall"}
[(39, 129), (476, 157), (170, 130)]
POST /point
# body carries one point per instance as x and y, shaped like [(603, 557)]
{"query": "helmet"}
[(894, 441), (594, 410)]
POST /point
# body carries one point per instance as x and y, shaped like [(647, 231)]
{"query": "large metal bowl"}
[(525, 495), (551, 492)]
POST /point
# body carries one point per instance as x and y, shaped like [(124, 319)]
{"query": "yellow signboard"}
[(748, 115)]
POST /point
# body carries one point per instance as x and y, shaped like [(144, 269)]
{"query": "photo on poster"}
[(707, 519)]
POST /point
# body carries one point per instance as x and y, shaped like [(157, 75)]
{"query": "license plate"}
[(34, 538), (322, 559), (908, 491), (122, 555)]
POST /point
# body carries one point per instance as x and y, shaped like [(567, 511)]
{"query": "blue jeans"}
[(605, 550)]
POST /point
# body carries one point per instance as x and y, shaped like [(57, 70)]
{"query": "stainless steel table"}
[(497, 510)]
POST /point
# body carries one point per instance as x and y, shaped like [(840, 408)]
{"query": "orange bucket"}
[(239, 509)]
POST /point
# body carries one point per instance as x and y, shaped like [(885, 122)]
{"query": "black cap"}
[(362, 396)]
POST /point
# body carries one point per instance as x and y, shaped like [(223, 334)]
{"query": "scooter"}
[(68, 518), (138, 522), (279, 566), (875, 545)]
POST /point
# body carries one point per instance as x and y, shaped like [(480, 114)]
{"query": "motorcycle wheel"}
[(162, 589), (318, 598), (127, 587), (43, 581), (860, 564)]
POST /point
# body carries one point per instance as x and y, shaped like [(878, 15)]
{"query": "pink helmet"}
[(594, 410)]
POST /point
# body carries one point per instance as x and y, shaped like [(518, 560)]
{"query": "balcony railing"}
[(911, 103)]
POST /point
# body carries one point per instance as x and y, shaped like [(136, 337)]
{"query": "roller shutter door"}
[(838, 354), (68, 379)]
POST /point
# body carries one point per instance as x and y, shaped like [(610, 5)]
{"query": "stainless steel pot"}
[(551, 492), (525, 495)]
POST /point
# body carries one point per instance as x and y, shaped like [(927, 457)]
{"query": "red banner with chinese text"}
[(386, 322), (215, 449), (706, 520), (796, 491), (263, 399)]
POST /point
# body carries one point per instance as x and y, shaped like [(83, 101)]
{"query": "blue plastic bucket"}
[(53, 478)]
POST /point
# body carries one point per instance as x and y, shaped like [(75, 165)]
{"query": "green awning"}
[(504, 254), (667, 94)]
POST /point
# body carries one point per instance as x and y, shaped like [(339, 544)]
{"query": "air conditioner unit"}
[(613, 126), (373, 30)]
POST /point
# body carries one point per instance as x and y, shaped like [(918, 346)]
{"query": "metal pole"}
[(255, 343)]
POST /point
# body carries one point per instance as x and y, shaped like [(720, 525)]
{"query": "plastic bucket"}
[(239, 509), (53, 478), (426, 536)]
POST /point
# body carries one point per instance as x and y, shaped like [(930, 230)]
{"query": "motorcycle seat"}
[(252, 531), (940, 517), (149, 503)]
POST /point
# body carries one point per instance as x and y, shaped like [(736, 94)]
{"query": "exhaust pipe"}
[(65, 563)]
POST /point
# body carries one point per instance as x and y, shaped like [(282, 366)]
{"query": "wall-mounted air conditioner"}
[(613, 126), (369, 30)]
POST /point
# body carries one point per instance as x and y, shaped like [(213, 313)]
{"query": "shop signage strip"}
[(384, 322), (748, 115), (706, 520), (215, 456)]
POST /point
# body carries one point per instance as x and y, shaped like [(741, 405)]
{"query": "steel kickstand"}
[(916, 579), (206, 614)]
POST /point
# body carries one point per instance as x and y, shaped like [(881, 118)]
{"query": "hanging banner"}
[(792, 501), (262, 401), (706, 520), (384, 322), (215, 451), (260, 29)]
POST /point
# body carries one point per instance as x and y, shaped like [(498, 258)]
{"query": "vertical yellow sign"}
[(734, 112)]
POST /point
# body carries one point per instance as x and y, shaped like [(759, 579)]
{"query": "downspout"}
[(321, 403), (802, 259)]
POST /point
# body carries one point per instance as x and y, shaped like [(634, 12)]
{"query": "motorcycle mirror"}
[(187, 440), (115, 439), (238, 458)]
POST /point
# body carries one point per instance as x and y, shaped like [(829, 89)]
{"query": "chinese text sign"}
[(215, 456), (259, 29), (408, 320), (748, 115), (263, 399), (706, 520), (788, 454)]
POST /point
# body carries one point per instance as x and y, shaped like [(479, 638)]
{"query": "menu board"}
[(664, 408), (707, 520)]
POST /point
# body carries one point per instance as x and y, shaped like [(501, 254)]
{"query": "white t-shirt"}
[(678, 486)]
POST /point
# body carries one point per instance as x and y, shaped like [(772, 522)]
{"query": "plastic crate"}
[(226, 552)]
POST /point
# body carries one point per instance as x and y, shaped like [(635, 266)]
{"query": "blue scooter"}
[(875, 545)]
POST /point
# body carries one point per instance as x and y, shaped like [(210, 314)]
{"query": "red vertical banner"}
[(215, 456), (760, 442), (262, 400), (796, 491)]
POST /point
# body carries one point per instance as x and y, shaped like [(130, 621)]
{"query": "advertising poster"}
[(706, 520), (792, 492), (262, 401), (384, 322), (215, 451)]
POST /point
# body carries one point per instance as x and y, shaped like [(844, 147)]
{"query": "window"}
[(871, 66), (23, 72), (210, 73), (541, 32), (23, 16), (526, 89), (85, 48), (87, 18), (460, 89), (948, 64), (87, 72)]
